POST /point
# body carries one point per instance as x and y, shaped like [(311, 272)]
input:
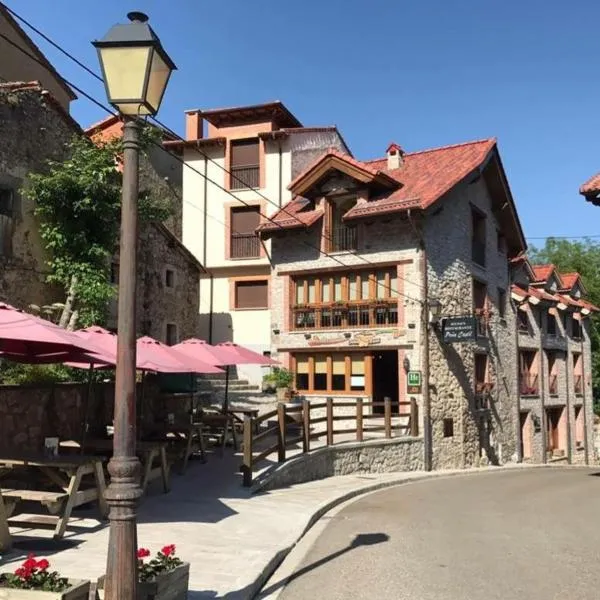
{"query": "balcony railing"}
[(338, 316), (482, 320), (553, 385), (528, 384), (344, 238), (244, 245), (478, 252), (578, 384), (244, 177)]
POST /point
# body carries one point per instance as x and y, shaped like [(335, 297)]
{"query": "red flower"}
[(43, 564), (168, 550), (143, 553), (30, 563)]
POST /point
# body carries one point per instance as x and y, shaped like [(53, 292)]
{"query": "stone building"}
[(240, 162), (354, 256), (555, 364)]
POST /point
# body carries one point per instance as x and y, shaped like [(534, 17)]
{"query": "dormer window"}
[(339, 236), (478, 221)]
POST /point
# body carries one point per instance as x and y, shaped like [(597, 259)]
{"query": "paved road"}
[(514, 535)]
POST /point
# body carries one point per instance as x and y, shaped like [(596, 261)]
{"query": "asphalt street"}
[(527, 535)]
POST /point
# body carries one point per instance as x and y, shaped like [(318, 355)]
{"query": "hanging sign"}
[(459, 329), (414, 382)]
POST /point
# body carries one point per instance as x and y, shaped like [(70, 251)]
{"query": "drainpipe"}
[(583, 405), (280, 198), (204, 211), (515, 308), (427, 434), (210, 316), (568, 362)]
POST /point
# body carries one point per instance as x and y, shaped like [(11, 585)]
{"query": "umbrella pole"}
[(142, 400), (86, 408), (226, 401)]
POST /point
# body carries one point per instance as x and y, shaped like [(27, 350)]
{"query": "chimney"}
[(395, 156), (194, 125)]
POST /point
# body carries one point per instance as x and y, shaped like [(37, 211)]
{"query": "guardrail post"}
[(359, 419), (281, 432), (387, 416), (247, 464), (305, 425), (329, 409), (414, 418)]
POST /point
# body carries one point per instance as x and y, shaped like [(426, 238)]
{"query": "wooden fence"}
[(259, 429)]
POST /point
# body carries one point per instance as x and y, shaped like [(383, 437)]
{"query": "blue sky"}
[(423, 74)]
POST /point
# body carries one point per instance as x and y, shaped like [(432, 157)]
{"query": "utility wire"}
[(197, 150), (304, 242)]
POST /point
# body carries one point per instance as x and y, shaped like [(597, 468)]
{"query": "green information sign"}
[(414, 382)]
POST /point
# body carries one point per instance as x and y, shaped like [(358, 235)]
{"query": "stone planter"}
[(78, 590), (282, 393), (168, 586)]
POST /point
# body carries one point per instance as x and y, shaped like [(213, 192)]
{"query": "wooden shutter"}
[(251, 294), (244, 153), (245, 220)]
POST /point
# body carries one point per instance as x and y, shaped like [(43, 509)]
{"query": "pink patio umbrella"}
[(225, 354), (27, 338)]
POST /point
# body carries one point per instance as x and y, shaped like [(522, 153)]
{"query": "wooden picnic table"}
[(66, 474), (184, 435), (147, 452)]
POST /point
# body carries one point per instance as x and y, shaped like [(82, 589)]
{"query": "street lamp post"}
[(136, 70)]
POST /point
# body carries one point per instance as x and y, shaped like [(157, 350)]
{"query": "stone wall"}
[(479, 436), (33, 130), (377, 456)]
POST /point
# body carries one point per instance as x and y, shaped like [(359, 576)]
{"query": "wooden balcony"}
[(345, 316), (553, 385), (244, 245), (528, 384), (245, 177), (578, 384), (344, 239)]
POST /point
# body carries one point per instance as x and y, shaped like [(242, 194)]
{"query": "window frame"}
[(169, 275), (235, 236), (7, 221), (330, 356), (234, 184), (171, 327), (235, 282)]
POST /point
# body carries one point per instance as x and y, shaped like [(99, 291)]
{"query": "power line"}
[(565, 237), (312, 246), (197, 150)]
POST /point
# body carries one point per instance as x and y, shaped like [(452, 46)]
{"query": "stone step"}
[(233, 385)]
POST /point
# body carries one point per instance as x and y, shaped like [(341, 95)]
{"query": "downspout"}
[(210, 319), (427, 434), (280, 192), (586, 439), (515, 308), (568, 362), (542, 403), (205, 251)]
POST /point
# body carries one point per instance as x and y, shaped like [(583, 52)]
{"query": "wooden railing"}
[(528, 384), (374, 313), (244, 177), (300, 415), (344, 238)]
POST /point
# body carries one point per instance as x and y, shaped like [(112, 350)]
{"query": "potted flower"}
[(164, 577), (33, 580), (282, 380)]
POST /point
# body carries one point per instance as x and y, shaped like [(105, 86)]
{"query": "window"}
[(501, 243), (244, 242), (360, 299), (6, 221), (171, 334), (448, 428), (576, 331), (478, 237), (522, 319), (251, 294), (550, 323), (565, 323), (481, 372), (342, 237), (328, 373), (480, 306), (501, 303), (114, 273), (528, 379), (245, 164), (170, 278), (577, 373), (552, 373)]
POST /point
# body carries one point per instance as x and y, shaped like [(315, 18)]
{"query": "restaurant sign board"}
[(459, 329)]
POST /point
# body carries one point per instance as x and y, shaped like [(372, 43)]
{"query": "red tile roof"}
[(544, 272), (591, 186), (569, 280), (292, 216)]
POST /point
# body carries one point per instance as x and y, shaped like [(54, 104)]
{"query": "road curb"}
[(274, 563)]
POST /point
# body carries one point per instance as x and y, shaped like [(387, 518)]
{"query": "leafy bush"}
[(279, 378)]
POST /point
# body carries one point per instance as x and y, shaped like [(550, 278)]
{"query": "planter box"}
[(79, 590), (168, 586)]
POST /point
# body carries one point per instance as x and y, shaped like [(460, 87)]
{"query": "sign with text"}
[(459, 329), (414, 382)]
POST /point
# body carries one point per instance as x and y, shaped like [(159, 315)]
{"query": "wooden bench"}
[(53, 501)]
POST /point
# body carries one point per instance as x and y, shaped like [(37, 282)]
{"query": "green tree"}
[(583, 257), (77, 202)]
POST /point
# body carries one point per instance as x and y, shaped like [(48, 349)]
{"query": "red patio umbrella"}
[(204, 351), (160, 356)]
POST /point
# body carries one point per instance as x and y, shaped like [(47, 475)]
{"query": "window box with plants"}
[(33, 580), (164, 577), (279, 380)]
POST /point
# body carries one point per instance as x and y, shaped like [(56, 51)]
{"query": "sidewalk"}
[(233, 540)]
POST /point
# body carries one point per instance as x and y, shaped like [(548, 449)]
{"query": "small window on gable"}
[(448, 428), (501, 243), (6, 221), (171, 334), (170, 278)]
